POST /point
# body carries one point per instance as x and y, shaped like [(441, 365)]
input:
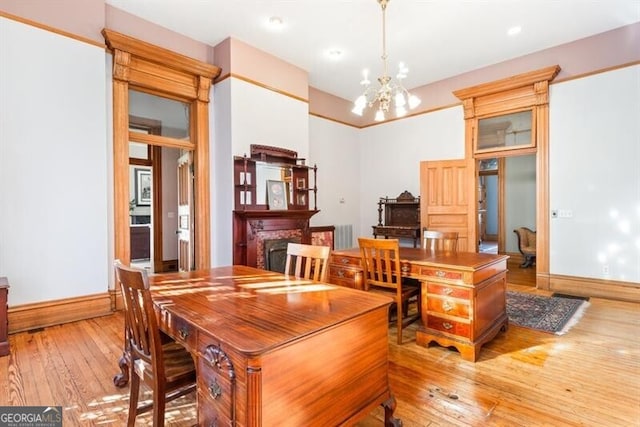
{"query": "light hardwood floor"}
[(588, 377)]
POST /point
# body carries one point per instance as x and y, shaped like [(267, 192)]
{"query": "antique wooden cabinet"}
[(401, 218)]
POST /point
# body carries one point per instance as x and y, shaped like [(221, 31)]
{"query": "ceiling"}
[(435, 39)]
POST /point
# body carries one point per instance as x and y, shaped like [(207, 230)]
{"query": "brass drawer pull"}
[(447, 306), (341, 273), (440, 273), (448, 291), (344, 260), (447, 325), (215, 389), (405, 268), (184, 333)]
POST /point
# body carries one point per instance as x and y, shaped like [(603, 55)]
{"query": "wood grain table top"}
[(256, 310)]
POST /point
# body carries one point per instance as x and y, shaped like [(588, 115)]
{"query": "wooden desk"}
[(463, 294), (272, 351)]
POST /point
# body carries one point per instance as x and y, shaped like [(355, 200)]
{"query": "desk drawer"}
[(449, 291), (448, 306), (346, 261), (453, 327), (345, 276), (180, 330), (436, 273), (216, 381), (208, 413), (396, 232)]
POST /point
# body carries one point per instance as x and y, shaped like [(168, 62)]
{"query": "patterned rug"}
[(555, 315)]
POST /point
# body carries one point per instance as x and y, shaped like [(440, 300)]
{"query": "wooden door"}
[(445, 200), (185, 213)]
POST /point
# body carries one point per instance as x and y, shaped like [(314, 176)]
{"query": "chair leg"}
[(401, 308), (159, 403), (134, 392)]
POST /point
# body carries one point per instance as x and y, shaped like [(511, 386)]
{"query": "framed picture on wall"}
[(277, 195), (143, 187)]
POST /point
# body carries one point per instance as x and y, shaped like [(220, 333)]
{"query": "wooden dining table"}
[(275, 350)]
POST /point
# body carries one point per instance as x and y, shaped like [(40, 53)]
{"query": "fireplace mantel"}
[(252, 227)]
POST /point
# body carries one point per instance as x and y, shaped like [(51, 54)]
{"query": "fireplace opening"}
[(275, 253)]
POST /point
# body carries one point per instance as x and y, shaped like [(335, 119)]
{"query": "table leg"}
[(389, 406)]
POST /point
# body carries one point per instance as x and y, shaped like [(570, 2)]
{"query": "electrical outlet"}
[(605, 269)]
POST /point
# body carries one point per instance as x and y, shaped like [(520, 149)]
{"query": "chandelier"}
[(389, 89)]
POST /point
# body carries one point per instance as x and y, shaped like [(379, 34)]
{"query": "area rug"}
[(555, 315)]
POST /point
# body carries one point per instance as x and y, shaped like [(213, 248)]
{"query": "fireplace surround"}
[(251, 229)]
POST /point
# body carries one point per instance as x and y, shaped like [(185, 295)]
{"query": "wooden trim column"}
[(201, 195), (122, 247)]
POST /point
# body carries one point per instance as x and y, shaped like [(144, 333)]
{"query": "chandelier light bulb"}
[(414, 101), (379, 116), (399, 100), (361, 102)]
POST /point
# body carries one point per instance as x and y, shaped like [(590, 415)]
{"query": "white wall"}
[(335, 148), (262, 116), (595, 174), (391, 153), (53, 165), (221, 174), (245, 114)]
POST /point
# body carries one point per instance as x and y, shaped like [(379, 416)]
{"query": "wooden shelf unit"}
[(401, 217)]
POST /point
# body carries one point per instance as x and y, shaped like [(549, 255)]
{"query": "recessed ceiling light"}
[(514, 30), (275, 23), (334, 54)]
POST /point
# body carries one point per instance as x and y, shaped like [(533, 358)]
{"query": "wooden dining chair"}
[(440, 240), (166, 367), (382, 274), (307, 261)]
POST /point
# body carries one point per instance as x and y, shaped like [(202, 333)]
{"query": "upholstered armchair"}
[(526, 245)]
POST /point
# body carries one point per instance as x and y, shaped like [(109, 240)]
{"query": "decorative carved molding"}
[(467, 105), (204, 85), (510, 83), (541, 90), (164, 57), (121, 62), (219, 359), (256, 226)]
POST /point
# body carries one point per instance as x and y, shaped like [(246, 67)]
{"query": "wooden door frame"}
[(523, 91), (148, 68)]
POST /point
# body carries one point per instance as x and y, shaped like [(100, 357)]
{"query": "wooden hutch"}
[(401, 217), (260, 233)]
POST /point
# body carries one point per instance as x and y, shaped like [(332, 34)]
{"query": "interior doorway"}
[(153, 207), (507, 200)]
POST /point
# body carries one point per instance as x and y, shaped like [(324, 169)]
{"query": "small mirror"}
[(269, 172), (506, 132)]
